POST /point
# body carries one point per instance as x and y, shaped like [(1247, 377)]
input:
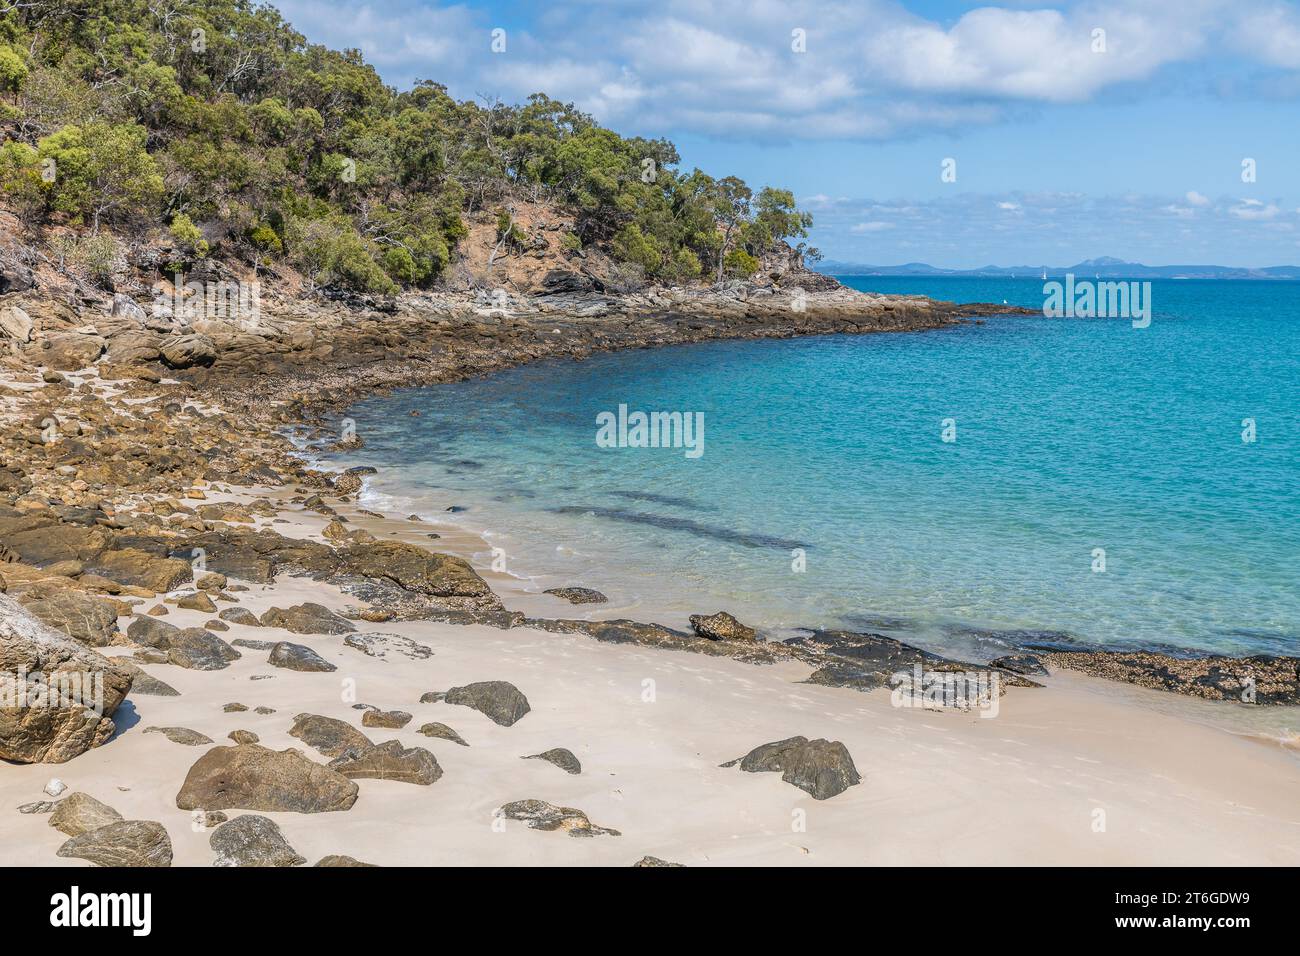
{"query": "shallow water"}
[(1071, 435)]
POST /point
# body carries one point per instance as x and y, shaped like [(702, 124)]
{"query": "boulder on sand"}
[(78, 812), (52, 670), (89, 620), (252, 840), (389, 761), (297, 657), (126, 843), (821, 768), (329, 735), (540, 815), (307, 618), (562, 758), (499, 700), (253, 777)]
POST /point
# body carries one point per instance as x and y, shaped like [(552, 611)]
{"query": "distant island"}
[(1105, 267)]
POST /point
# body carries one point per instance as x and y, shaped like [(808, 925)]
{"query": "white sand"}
[(938, 787)]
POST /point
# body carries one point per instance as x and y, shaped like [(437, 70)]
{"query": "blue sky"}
[(1068, 143)]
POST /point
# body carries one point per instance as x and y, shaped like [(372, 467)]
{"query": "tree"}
[(101, 170), (731, 201)]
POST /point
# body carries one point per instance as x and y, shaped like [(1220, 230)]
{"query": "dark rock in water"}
[(647, 861), (821, 768), (337, 860), (1026, 664), (329, 735), (296, 657), (435, 729), (578, 595), (126, 843), (181, 735), (1253, 680), (721, 627), (389, 719), (564, 759), (540, 815), (252, 840), (389, 761), (251, 777), (78, 813), (498, 700), (307, 618)]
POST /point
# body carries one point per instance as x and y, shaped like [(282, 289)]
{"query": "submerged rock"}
[(821, 768), (578, 595)]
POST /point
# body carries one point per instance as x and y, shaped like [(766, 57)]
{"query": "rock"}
[(211, 581), (181, 735), (307, 618), (233, 708), (53, 671), (578, 595), (1026, 664), (540, 815), (88, 620), (127, 843), (142, 569), (55, 787), (40, 806), (721, 627), (69, 351), (654, 861), (296, 657), (252, 840), (820, 768), (198, 601), (435, 729), (142, 683), (78, 812), (1263, 680), (216, 624), (391, 719), (564, 759), (414, 569), (239, 615), (253, 645), (186, 351), (335, 860), (15, 324), (243, 736), (378, 645), (251, 777), (389, 761), (328, 734), (125, 307), (498, 700), (191, 647)]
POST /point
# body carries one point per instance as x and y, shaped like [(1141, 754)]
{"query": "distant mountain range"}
[(1107, 267)]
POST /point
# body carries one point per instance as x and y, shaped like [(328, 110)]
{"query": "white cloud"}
[(1253, 210), (873, 226), (1196, 199)]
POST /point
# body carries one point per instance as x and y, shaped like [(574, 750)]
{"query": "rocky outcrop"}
[(307, 618), (329, 735), (57, 697), (821, 768), (191, 647), (133, 843), (251, 777), (252, 840), (419, 571), (1252, 680), (721, 627), (500, 701), (88, 620), (296, 657)]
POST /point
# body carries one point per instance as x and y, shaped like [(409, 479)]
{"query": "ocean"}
[(1028, 479)]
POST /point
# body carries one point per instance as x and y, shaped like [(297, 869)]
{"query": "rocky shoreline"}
[(143, 473)]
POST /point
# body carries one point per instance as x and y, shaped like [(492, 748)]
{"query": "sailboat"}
[(1044, 272)]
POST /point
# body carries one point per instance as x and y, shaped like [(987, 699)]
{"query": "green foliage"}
[(187, 235), (97, 258), (218, 111), (740, 264)]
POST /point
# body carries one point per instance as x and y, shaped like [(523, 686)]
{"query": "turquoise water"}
[(1071, 435)]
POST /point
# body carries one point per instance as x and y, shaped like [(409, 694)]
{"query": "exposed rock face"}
[(578, 595), (181, 735), (89, 620), (564, 759), (389, 761), (126, 843), (390, 719), (435, 729), (252, 840), (540, 815), (498, 700), (68, 351), (15, 324), (721, 627), (820, 768), (251, 777), (417, 570), (1253, 680), (78, 812), (142, 569), (307, 618), (58, 672), (296, 657), (185, 351), (329, 735)]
